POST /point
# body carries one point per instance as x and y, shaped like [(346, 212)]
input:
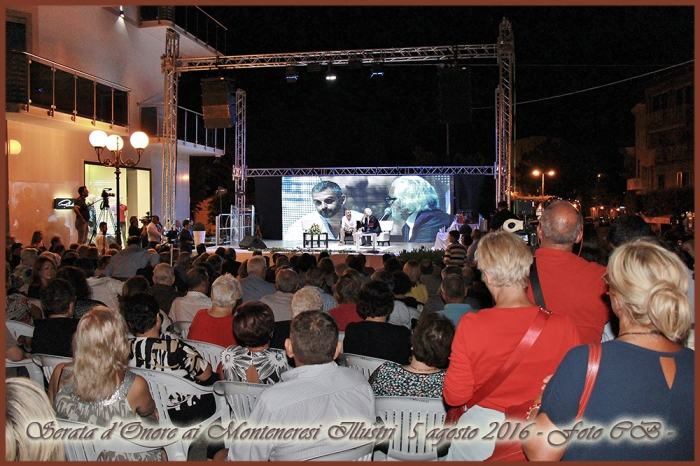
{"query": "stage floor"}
[(337, 252)]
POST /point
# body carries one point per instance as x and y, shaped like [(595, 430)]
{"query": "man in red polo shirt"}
[(570, 284)]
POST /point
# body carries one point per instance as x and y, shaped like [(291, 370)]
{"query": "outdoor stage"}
[(337, 252)]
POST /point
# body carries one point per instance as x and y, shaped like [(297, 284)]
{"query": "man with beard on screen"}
[(328, 200), (415, 200)]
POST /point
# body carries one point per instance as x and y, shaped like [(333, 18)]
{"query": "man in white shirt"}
[(316, 394), (154, 232), (347, 226), (185, 308)]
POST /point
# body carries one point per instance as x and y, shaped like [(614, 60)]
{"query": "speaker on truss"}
[(218, 102), (251, 241), (455, 95)]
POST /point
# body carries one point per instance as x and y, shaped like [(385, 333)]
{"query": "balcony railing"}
[(674, 153), (193, 20), (39, 82), (190, 126), (672, 116)]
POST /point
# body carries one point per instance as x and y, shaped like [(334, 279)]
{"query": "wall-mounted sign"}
[(63, 203)]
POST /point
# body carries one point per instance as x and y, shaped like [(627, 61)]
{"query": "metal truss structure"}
[(169, 160), (375, 171), (503, 52)]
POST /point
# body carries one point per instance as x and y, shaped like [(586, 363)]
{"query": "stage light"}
[(330, 75), (291, 74), (377, 70)]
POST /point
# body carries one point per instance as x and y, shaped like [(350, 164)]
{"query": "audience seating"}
[(409, 413), (235, 400), (48, 363), (364, 364), (88, 448), (358, 453), (385, 235), (20, 329), (209, 351), (182, 327), (161, 385)]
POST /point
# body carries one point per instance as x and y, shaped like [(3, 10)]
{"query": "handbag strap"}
[(514, 359), (535, 284), (594, 352)]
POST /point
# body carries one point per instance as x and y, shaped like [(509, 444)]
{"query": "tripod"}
[(103, 215)]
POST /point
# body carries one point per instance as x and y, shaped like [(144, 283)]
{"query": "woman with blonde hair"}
[(645, 374), (484, 342), (96, 386), (26, 403)]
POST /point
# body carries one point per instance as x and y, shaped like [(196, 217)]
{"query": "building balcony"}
[(40, 91), (37, 88), (673, 153), (188, 21), (192, 137), (670, 118), (634, 184)]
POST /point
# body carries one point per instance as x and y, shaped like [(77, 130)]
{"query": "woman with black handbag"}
[(501, 355)]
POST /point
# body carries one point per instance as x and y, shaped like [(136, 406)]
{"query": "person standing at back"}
[(570, 285)]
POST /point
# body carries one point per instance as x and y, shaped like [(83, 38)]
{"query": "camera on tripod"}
[(105, 198)]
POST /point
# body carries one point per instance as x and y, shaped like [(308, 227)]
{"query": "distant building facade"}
[(663, 154)]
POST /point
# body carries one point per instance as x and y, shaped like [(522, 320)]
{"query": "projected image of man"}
[(415, 200), (328, 200)]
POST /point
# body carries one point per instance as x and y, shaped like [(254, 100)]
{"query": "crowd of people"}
[(443, 330)]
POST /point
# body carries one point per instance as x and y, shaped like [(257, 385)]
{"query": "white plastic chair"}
[(182, 327), (364, 364), (48, 363), (409, 413), (209, 351), (161, 385), (235, 401), (358, 453), (88, 448), (608, 334), (385, 235), (20, 329)]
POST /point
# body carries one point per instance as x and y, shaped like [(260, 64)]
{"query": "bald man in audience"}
[(254, 285), (453, 293), (570, 285), (315, 278), (281, 300), (185, 308)]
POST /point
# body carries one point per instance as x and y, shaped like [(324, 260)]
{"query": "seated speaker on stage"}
[(348, 225)]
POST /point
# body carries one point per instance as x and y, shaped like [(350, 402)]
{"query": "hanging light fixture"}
[(330, 75), (377, 70), (291, 74)]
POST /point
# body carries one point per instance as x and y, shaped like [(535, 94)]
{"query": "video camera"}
[(106, 194), (171, 235), (524, 229)]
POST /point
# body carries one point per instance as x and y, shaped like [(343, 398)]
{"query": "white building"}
[(74, 69)]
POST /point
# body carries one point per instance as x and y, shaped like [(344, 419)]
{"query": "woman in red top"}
[(215, 325), (484, 340)]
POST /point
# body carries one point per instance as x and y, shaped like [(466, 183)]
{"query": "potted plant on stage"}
[(199, 231)]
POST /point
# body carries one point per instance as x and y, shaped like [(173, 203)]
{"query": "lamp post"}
[(115, 144), (538, 173)]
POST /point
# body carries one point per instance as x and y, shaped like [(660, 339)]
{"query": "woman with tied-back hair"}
[(645, 374), (25, 404), (418, 289), (96, 386)]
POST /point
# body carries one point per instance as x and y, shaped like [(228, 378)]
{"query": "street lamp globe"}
[(98, 138), (139, 140), (115, 143)]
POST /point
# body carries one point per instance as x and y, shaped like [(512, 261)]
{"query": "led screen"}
[(418, 205)]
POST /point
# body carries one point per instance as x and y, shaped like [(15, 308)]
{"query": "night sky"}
[(358, 121)]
